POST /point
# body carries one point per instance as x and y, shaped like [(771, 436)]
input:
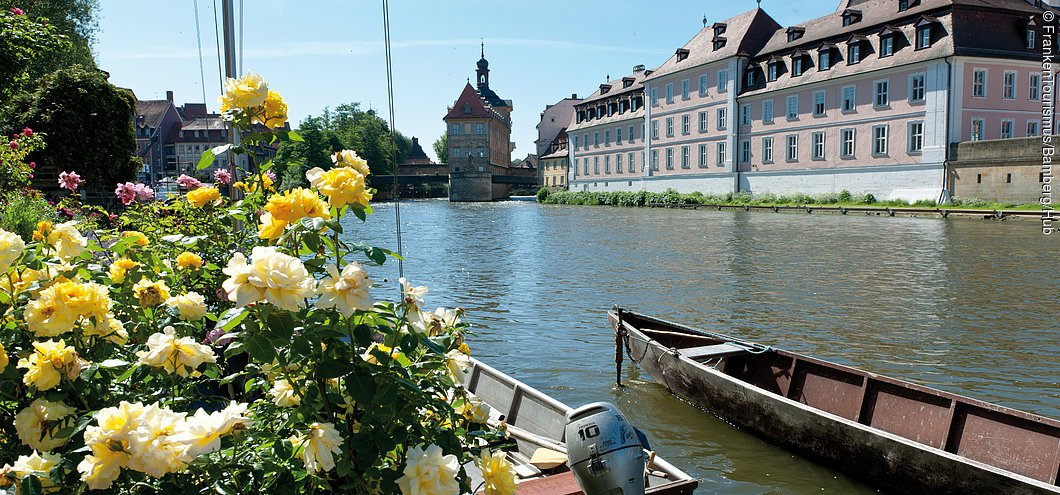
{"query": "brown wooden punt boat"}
[(904, 436), (536, 422)]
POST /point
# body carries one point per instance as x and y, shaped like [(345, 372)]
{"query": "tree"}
[(516, 161), (74, 18), (88, 124), (27, 54), (294, 158), (441, 148)]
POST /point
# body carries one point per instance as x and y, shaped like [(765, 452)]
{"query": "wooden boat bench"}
[(708, 352)]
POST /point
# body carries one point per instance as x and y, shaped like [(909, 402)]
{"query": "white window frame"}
[(669, 93), (703, 156), (745, 114), (1011, 128), (791, 148), (979, 87), (703, 85), (631, 166), (669, 158), (913, 88), (723, 80), (669, 127), (853, 98), (1034, 87), (607, 137), (972, 136), (655, 159), (1031, 42), (618, 163), (745, 151), (596, 165), (767, 149), (819, 98), (686, 161), (720, 147), (915, 131), (1008, 91), (686, 125), (817, 145), (655, 129), (703, 121), (791, 107), (848, 142), (880, 138), (686, 88), (722, 119), (767, 117), (607, 164), (618, 135), (1033, 128), (881, 93)]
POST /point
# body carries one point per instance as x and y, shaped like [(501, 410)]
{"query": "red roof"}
[(468, 105)]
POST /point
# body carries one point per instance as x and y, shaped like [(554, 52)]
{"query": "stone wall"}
[(1003, 170)]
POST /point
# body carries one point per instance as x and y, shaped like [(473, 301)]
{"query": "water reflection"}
[(955, 304)]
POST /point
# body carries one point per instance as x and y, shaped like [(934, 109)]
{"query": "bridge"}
[(463, 183)]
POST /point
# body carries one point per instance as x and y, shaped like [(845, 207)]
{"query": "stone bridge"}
[(465, 183)]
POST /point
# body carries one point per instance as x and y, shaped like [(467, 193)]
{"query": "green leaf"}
[(360, 385), (334, 368), (265, 166), (294, 136), (231, 318), (113, 363), (281, 327), (408, 343), (205, 160), (312, 223), (31, 486), (260, 348)]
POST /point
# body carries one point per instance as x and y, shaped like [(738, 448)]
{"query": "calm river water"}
[(968, 306)]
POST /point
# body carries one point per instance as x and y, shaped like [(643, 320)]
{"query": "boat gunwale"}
[(715, 374)]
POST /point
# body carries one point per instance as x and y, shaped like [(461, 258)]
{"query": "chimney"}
[(169, 96), (638, 68), (415, 142), (574, 96)]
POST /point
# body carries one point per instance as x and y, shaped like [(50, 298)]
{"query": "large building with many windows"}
[(869, 98)]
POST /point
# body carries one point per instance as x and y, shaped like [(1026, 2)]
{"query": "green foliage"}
[(441, 148), (20, 212), (77, 19), (542, 194), (28, 53), (15, 171), (88, 122)]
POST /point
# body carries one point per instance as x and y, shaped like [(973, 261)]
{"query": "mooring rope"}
[(393, 138)]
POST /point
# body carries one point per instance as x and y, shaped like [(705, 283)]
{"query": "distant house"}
[(554, 163)]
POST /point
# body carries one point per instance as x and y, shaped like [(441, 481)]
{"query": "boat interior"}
[(1013, 440)]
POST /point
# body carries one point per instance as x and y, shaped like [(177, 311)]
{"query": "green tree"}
[(441, 148), (294, 158), (27, 54), (88, 124), (74, 18)]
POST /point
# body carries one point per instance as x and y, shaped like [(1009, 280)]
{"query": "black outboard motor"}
[(604, 452)]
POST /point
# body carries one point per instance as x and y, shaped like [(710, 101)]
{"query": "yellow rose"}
[(110, 443), (180, 355), (44, 228), (283, 393), (48, 363), (3, 358), (296, 204), (427, 471), (346, 291), (151, 293), (204, 196), (11, 247), (66, 240), (253, 186), (342, 186), (108, 328), (17, 281), (139, 238), (277, 278), (37, 424), (57, 308), (192, 306), (275, 111), (498, 475), (271, 228), (87, 299), (244, 93), (349, 158), (120, 268), (202, 432), (318, 444), (155, 449), (37, 464), (188, 259)]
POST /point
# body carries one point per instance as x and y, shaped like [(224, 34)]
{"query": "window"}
[(596, 165), (585, 139), (1030, 39), (767, 112), (669, 127), (817, 140), (846, 148), (793, 148), (745, 151), (607, 164), (1008, 89), (745, 114), (916, 136), (771, 72), (903, 5), (882, 98), (978, 129), (669, 158), (655, 159), (767, 150), (607, 137), (916, 87), (684, 157), (684, 89), (456, 129), (596, 138), (824, 60), (886, 46), (750, 78), (848, 98), (618, 163), (723, 80), (669, 93), (721, 119), (585, 164), (575, 142), (853, 53), (654, 96), (818, 103), (655, 129), (703, 85), (793, 107), (702, 156), (1035, 87), (629, 163), (879, 140), (796, 65), (480, 128), (721, 154), (702, 121), (685, 125), (618, 135), (923, 37), (1006, 128), (1032, 128)]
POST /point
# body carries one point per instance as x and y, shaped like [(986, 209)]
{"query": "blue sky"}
[(324, 53)]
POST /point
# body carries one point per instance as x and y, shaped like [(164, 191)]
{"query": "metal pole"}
[(228, 22)]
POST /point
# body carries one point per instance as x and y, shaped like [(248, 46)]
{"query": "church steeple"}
[(483, 71)]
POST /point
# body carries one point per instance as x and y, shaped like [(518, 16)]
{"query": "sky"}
[(325, 53)]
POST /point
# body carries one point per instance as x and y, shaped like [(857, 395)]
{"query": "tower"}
[(482, 73)]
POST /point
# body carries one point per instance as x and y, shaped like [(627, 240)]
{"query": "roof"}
[(468, 105), (744, 34), (152, 111), (491, 97), (207, 123), (616, 88)]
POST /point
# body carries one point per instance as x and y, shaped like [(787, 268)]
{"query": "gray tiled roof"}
[(743, 35), (152, 111)]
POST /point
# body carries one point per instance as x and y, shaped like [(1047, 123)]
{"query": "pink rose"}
[(13, 144), (223, 176), (27, 132), (188, 182), (69, 180), (16, 11)]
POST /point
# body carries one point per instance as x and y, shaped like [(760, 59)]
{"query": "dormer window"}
[(581, 116), (887, 37), (627, 82), (797, 61), (795, 33), (467, 109), (750, 78), (854, 49), (682, 53), (923, 32), (903, 5), (773, 68), (824, 56), (719, 28), (851, 16), (604, 88), (1032, 32), (719, 42)]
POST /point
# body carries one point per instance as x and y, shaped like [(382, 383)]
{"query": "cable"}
[(198, 41), (393, 131), (217, 37), (240, 59)]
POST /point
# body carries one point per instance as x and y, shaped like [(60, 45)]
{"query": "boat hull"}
[(866, 452)]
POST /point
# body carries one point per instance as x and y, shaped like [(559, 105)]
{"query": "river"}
[(967, 306)]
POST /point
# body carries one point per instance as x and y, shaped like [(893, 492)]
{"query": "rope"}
[(202, 66), (240, 59), (393, 131), (217, 37)]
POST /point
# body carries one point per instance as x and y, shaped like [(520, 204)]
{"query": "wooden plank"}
[(557, 484), (705, 352)]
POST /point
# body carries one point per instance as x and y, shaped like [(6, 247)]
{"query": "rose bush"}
[(232, 345)]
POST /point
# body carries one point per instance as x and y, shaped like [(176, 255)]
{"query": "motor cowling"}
[(604, 451)]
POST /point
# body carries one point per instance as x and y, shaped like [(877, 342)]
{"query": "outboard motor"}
[(604, 451)]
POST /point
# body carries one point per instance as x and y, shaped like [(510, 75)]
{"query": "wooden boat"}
[(536, 422), (904, 436)]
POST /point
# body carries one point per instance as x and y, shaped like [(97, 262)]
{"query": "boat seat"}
[(707, 352)]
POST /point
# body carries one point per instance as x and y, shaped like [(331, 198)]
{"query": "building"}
[(479, 126), (154, 124), (607, 136), (867, 98), (554, 165), (554, 120)]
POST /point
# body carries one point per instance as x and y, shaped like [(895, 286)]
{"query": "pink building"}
[(606, 134), (866, 99)]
